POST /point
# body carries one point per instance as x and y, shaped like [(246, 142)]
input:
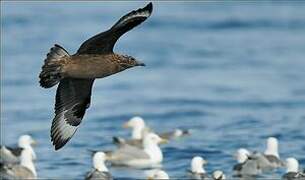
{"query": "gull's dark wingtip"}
[(57, 147), (149, 7)]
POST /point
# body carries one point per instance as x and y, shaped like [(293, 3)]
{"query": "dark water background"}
[(232, 72)]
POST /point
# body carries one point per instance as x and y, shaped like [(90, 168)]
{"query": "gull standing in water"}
[(12, 154), (99, 171), (76, 73)]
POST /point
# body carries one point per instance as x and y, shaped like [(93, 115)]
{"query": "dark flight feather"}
[(15, 151), (72, 100), (104, 42)]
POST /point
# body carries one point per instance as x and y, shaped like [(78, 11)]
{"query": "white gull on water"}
[(251, 164), (99, 171), (197, 170), (148, 156), (24, 170), (245, 166), (270, 159), (293, 172), (272, 153), (12, 154)]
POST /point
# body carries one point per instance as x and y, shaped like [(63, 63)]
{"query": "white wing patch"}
[(135, 14), (139, 14), (62, 130), (66, 129)]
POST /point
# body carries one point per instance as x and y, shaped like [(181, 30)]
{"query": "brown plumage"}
[(76, 73)]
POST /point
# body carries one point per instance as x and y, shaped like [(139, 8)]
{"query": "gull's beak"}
[(125, 125), (139, 63), (204, 162), (163, 141)]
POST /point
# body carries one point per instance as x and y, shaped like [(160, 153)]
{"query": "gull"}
[(24, 170), (272, 153), (148, 156), (12, 154), (197, 170), (99, 171), (293, 172), (270, 159), (245, 166)]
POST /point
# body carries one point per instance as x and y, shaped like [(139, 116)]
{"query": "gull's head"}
[(218, 175), (138, 125), (135, 122), (99, 159), (242, 155), (197, 164), (158, 174), (126, 61), (272, 147), (292, 165), (26, 141), (153, 139)]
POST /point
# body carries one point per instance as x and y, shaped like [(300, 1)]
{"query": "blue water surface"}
[(232, 72)]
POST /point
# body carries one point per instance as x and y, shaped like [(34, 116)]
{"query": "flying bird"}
[(76, 73)]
